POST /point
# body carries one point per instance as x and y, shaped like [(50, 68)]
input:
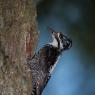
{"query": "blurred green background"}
[(75, 75)]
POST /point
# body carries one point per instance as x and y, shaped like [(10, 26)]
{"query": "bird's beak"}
[(54, 33)]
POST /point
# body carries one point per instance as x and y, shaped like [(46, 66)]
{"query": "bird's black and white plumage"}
[(44, 61)]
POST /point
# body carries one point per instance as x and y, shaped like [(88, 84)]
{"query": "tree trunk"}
[(18, 39)]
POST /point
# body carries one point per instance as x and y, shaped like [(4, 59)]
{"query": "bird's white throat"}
[(54, 42)]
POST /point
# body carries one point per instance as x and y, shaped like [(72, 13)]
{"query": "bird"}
[(43, 63)]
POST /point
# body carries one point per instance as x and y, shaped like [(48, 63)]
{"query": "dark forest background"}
[(75, 75)]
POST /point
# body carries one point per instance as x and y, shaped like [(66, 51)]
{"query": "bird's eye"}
[(61, 36)]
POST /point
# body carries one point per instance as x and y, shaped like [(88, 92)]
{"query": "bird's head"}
[(60, 41)]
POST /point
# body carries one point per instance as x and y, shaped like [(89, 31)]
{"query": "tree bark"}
[(18, 40)]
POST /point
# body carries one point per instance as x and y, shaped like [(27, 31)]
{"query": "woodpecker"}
[(44, 61)]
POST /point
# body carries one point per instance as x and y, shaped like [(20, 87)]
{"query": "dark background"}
[(75, 73)]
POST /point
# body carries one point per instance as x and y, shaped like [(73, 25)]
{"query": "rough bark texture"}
[(18, 38)]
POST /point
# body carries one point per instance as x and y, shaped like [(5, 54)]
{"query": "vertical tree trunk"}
[(18, 38)]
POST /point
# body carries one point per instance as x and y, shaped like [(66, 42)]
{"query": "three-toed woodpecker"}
[(44, 61)]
